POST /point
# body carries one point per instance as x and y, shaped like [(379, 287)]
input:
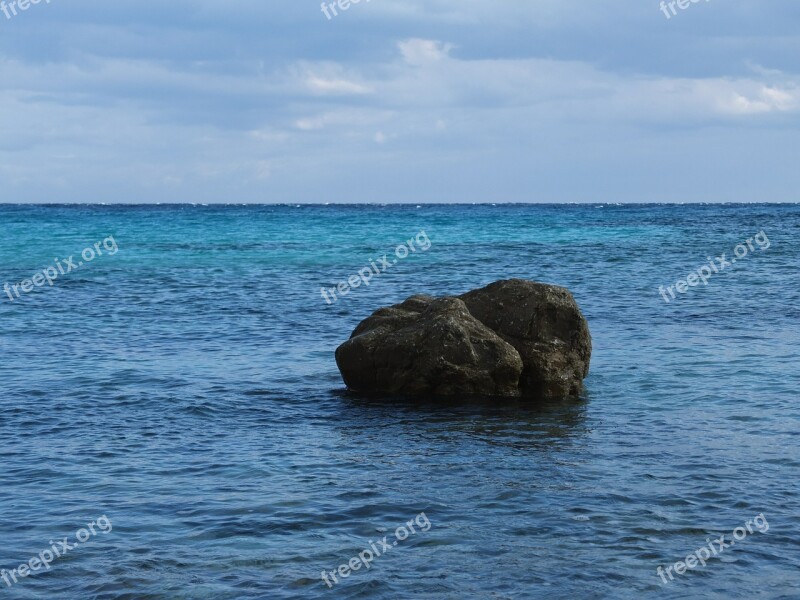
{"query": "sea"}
[(173, 424)]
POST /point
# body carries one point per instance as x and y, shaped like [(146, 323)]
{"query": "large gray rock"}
[(510, 338), (428, 346), (545, 325)]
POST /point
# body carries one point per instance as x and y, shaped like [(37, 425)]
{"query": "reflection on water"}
[(514, 423)]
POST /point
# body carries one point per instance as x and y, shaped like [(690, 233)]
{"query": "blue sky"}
[(400, 101)]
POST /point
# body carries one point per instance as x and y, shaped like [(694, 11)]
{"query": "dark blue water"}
[(184, 387)]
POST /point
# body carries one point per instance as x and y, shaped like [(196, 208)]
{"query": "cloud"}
[(765, 100), (415, 99), (335, 86), (421, 52)]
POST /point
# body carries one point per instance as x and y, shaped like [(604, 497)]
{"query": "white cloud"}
[(420, 52), (764, 100), (321, 85), (322, 78), (310, 124), (221, 100)]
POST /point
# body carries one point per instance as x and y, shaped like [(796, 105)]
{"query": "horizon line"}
[(384, 204)]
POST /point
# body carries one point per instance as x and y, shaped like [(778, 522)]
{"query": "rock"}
[(545, 325), (429, 346), (510, 338)]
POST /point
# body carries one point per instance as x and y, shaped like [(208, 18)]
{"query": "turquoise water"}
[(184, 387)]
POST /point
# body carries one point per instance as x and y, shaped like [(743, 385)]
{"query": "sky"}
[(415, 101)]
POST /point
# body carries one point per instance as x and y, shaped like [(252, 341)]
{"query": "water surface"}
[(185, 387)]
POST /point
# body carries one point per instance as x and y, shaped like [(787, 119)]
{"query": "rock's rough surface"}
[(510, 338), (428, 346), (546, 327)]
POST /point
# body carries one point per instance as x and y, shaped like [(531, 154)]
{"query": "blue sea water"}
[(185, 387)]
